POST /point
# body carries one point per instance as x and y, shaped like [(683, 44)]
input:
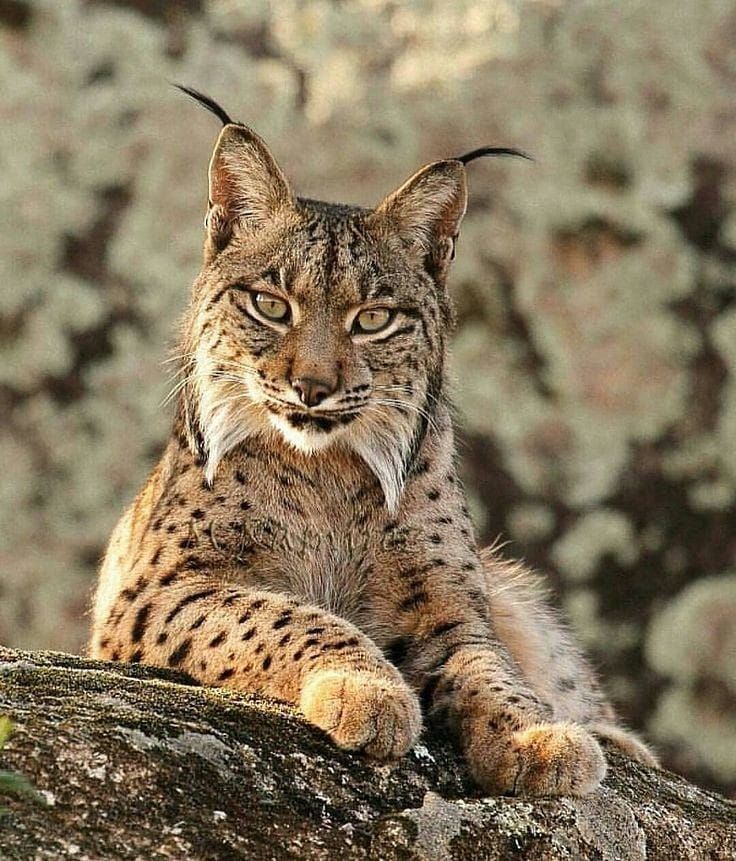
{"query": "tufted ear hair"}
[(246, 186), (426, 212)]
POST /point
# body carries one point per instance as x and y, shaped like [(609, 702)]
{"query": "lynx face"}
[(323, 323)]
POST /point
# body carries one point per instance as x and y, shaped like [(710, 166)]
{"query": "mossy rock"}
[(140, 763)]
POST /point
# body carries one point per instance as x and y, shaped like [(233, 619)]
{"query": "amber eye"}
[(372, 320), (271, 307)]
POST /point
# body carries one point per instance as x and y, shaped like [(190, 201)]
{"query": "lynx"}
[(305, 534)]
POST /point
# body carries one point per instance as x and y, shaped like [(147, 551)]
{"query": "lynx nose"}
[(311, 392)]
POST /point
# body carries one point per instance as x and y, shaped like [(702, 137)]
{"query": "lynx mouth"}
[(307, 430), (303, 419), (325, 423)]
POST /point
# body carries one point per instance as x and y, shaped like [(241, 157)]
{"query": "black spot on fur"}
[(187, 600), (180, 652), (218, 640), (282, 621), (413, 601), (141, 620), (443, 628), (396, 651)]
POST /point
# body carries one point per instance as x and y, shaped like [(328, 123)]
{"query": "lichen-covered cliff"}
[(137, 763)]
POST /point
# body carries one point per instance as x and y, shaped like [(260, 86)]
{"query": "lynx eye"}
[(372, 320), (271, 307)]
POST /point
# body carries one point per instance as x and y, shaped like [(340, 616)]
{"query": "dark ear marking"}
[(207, 103), (491, 151)]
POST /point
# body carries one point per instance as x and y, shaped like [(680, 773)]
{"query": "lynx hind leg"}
[(627, 742), (541, 644)]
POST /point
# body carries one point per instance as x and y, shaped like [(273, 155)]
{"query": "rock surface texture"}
[(137, 763)]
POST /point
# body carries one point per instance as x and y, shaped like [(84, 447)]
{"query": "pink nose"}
[(311, 392)]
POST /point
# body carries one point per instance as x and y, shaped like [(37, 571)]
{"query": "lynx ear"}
[(426, 212), (246, 186)]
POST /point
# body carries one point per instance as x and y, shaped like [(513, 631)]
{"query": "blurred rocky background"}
[(596, 288)]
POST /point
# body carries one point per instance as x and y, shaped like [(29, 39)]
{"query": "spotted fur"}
[(321, 552)]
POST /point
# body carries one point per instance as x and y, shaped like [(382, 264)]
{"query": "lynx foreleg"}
[(270, 644)]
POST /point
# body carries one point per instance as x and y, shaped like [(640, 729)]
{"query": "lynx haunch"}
[(305, 535)]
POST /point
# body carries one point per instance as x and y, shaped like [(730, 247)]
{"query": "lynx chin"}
[(305, 535)]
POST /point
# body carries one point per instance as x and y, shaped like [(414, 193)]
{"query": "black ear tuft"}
[(208, 103), (491, 150)]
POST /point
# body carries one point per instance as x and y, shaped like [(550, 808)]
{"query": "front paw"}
[(362, 711), (544, 759)]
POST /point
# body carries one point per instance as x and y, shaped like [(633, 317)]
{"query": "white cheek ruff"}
[(227, 414), (381, 439)]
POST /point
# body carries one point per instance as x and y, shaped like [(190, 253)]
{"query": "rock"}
[(136, 763)]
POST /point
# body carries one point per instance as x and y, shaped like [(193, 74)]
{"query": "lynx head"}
[(319, 324)]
